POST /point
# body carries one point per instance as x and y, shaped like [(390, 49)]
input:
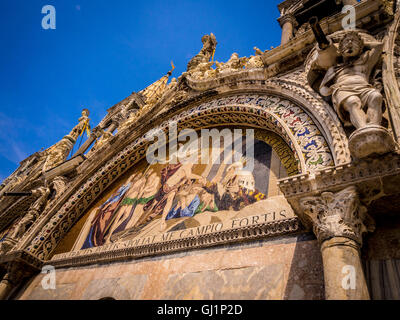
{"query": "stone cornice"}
[(30, 262), (364, 174), (120, 251), (276, 59), (287, 18)]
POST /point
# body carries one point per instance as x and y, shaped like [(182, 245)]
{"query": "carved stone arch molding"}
[(391, 74), (313, 143)]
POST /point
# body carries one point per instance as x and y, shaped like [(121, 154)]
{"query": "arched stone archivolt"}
[(269, 112), (292, 86), (272, 113), (391, 73)]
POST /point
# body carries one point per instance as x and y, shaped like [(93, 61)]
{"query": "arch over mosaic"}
[(279, 115), (269, 112)]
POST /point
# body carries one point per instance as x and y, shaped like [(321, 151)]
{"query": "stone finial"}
[(337, 215)]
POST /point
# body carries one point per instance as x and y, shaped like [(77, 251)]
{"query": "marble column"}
[(339, 221), (11, 280), (288, 23)]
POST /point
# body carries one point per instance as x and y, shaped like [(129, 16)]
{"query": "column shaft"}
[(287, 32), (343, 272), (5, 287)]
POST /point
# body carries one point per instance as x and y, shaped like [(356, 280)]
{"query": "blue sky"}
[(100, 52)]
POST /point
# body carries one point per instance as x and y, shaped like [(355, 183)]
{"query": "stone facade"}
[(317, 219)]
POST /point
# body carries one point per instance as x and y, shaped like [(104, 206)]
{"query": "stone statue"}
[(347, 80), (346, 69), (106, 136), (203, 71), (58, 153), (233, 64), (205, 54), (257, 51), (255, 61)]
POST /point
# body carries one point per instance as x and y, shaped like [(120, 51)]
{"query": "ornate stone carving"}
[(347, 67), (261, 111), (367, 174), (205, 54), (254, 62), (58, 153), (18, 265), (232, 65), (369, 140), (59, 184), (13, 277), (100, 142), (127, 249), (337, 215), (391, 73), (202, 71), (25, 223)]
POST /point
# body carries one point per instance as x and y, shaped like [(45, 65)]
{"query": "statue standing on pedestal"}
[(343, 67), (348, 79)]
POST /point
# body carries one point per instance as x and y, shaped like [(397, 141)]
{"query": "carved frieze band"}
[(339, 177), (130, 250)]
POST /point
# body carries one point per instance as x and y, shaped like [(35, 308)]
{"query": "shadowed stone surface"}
[(246, 283)]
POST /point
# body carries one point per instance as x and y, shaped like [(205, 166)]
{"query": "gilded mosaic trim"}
[(132, 249), (268, 112)]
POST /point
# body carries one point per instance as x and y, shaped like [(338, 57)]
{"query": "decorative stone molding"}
[(368, 175), (31, 263), (127, 250), (391, 74), (337, 215), (127, 149), (237, 110), (287, 18), (292, 86), (19, 265), (15, 209), (371, 140)]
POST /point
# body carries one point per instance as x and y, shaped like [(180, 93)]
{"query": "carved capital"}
[(15, 273), (337, 215), (288, 18)]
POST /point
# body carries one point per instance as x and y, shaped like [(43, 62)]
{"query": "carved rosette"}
[(337, 215)]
